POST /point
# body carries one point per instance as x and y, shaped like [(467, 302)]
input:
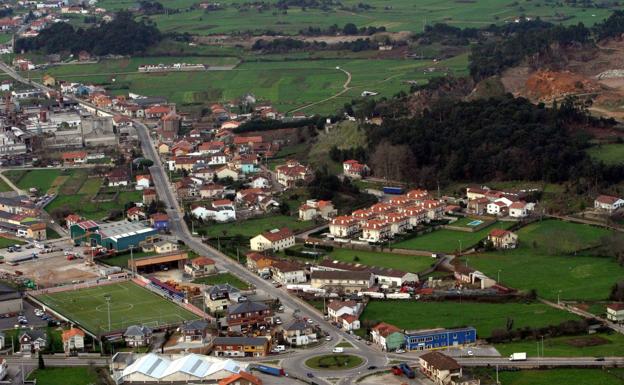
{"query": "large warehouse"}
[(112, 235), (131, 368)]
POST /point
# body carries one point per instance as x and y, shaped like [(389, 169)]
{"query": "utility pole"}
[(132, 261)]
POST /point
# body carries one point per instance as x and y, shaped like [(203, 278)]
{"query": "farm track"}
[(345, 88)]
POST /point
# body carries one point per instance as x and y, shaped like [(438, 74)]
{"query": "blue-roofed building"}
[(439, 338), (112, 235)]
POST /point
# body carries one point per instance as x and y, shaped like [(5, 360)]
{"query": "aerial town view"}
[(320, 192)]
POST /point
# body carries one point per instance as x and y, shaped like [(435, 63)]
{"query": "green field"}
[(409, 263), (563, 377), (485, 317), (42, 180), (447, 241), (287, 83), (595, 345), (252, 227), (543, 261), (4, 187), (219, 279), (65, 376), (81, 204), (130, 304), (609, 153), (6, 242), (400, 15)]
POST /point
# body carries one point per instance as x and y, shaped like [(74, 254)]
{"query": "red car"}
[(396, 371)]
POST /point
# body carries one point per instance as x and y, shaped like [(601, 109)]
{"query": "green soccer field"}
[(130, 304)]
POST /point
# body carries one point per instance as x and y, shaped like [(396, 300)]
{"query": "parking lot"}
[(29, 313)]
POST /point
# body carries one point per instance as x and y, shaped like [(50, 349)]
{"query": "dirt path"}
[(345, 88)]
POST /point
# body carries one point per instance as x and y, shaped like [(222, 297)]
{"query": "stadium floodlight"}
[(107, 297)]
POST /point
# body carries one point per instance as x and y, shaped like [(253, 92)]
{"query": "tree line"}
[(122, 36), (281, 45)]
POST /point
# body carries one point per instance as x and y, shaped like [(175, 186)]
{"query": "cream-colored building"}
[(276, 240)]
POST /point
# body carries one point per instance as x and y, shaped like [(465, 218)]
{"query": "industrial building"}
[(439, 338), (117, 236), (129, 368)]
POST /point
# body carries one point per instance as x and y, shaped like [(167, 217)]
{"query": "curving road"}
[(345, 88)]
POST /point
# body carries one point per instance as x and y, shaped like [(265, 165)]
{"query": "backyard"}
[(449, 241), (409, 263), (485, 317), (545, 261), (219, 279)]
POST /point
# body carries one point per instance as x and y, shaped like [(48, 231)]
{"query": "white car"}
[(470, 353), (328, 338), (399, 351), (338, 350)]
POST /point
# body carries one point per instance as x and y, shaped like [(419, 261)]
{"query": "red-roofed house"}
[(388, 337), (503, 239), (149, 196), (74, 157), (73, 340), (354, 169), (350, 322), (337, 309), (615, 312), (143, 181), (313, 208), (248, 140), (200, 267), (276, 240), (376, 230), (344, 226), (72, 219), (608, 203), (135, 214), (242, 378), (157, 112), (292, 172)]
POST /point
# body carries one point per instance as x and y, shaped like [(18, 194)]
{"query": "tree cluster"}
[(495, 139), (565, 328), (122, 36), (495, 55), (348, 29), (612, 27), (271, 124)]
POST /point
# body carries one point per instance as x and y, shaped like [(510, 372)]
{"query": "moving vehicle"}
[(328, 338), (399, 351), (409, 372), (396, 370), (279, 348), (518, 357), (273, 371), (338, 350)]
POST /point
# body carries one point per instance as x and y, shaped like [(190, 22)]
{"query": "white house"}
[(209, 213), (520, 209), (608, 203), (143, 181), (260, 182), (337, 309), (615, 312), (344, 227), (286, 272), (299, 333), (276, 240), (497, 208), (376, 230)]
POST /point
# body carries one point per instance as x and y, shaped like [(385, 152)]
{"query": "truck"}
[(518, 357), (409, 372), (273, 371), (393, 190)]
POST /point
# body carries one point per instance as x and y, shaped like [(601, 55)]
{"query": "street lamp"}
[(558, 298), (498, 276), (132, 261)]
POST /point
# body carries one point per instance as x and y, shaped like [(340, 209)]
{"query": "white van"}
[(338, 350), (279, 348)]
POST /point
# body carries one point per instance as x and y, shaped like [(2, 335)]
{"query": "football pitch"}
[(130, 304)]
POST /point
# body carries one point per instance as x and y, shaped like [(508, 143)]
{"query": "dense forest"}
[(122, 36), (495, 139)]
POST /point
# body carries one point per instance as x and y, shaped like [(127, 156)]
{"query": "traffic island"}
[(335, 362)]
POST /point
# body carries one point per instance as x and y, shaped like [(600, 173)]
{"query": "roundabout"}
[(335, 362)]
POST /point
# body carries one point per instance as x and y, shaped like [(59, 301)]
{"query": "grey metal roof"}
[(247, 307), (137, 331), (251, 341)]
